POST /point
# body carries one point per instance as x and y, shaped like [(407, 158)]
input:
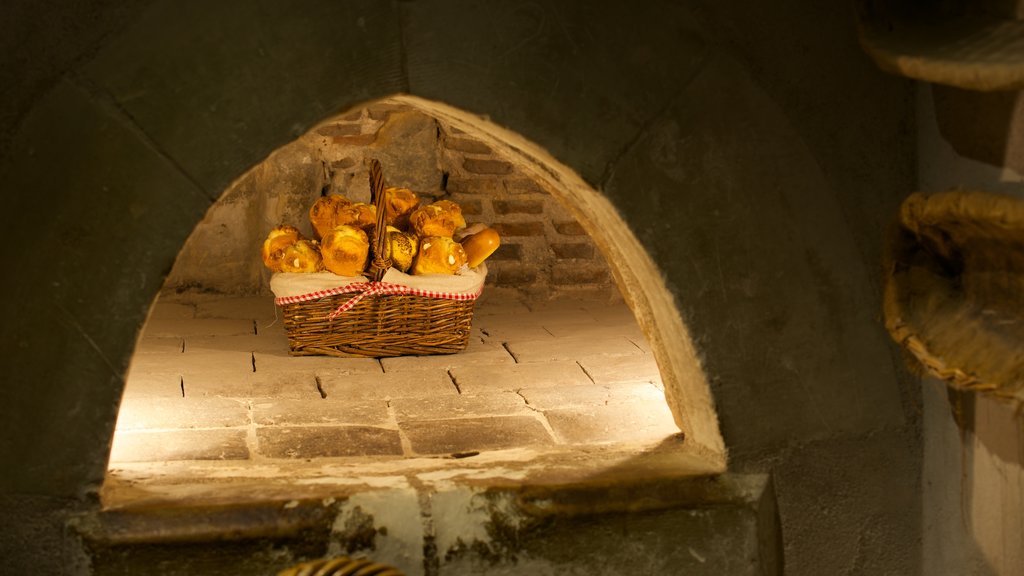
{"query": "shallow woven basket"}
[(954, 295), (379, 325)]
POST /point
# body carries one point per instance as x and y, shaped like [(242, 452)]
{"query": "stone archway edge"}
[(686, 386)]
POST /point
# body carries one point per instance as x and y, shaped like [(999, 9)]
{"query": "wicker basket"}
[(381, 320), (341, 566)]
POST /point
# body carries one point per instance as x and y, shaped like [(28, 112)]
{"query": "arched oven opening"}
[(567, 360)]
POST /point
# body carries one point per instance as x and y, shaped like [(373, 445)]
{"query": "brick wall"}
[(544, 251)]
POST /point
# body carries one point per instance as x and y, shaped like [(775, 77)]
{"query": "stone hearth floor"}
[(212, 381)]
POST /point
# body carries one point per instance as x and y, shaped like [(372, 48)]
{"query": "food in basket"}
[(358, 214), (274, 246), (439, 255), (442, 218), (400, 248), (344, 250), (323, 212), (399, 203), (480, 245), (302, 256)]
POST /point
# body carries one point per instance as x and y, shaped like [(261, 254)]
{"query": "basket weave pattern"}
[(379, 326)]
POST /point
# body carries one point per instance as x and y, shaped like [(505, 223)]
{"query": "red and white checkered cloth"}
[(364, 289)]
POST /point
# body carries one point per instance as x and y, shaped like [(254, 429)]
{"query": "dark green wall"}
[(752, 147)]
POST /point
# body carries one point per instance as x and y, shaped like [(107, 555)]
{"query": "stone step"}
[(611, 524)]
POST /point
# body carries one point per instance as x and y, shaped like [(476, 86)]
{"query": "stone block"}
[(327, 442), (469, 185), (467, 145), (486, 166), (159, 346), (488, 379), (145, 384), (320, 411), (519, 228), (522, 186), (571, 348), (163, 446), (499, 301), (340, 129), (407, 149), (621, 369), (569, 228), (206, 383), (476, 353), (475, 434), (280, 361), (572, 251), (243, 345), (594, 329), (502, 333), (259, 308), (507, 252), (164, 310), (477, 403), (138, 413), (168, 328), (512, 274), (400, 384), (355, 140), (547, 396), (615, 422), (292, 384), (470, 206), (580, 274), (518, 206)]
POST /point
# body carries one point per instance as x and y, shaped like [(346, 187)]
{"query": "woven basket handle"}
[(380, 263)]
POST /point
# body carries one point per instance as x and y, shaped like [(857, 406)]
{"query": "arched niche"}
[(634, 274)]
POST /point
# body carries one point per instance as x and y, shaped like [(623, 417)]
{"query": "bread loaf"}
[(439, 255), (274, 246), (344, 250), (442, 218), (480, 245)]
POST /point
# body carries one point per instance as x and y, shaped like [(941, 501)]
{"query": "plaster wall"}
[(750, 145), (972, 477)]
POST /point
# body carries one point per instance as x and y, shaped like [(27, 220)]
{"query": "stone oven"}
[(557, 365), (733, 165)]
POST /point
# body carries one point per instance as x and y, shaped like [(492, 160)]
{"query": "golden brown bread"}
[(274, 246), (442, 218), (398, 204), (344, 250), (358, 214), (302, 256), (480, 245), (439, 255), (400, 248), (324, 211)]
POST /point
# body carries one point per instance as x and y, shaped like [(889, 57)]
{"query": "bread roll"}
[(439, 255), (358, 214), (344, 250), (442, 218), (324, 211), (302, 256), (399, 203), (400, 248), (480, 245), (274, 246)]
